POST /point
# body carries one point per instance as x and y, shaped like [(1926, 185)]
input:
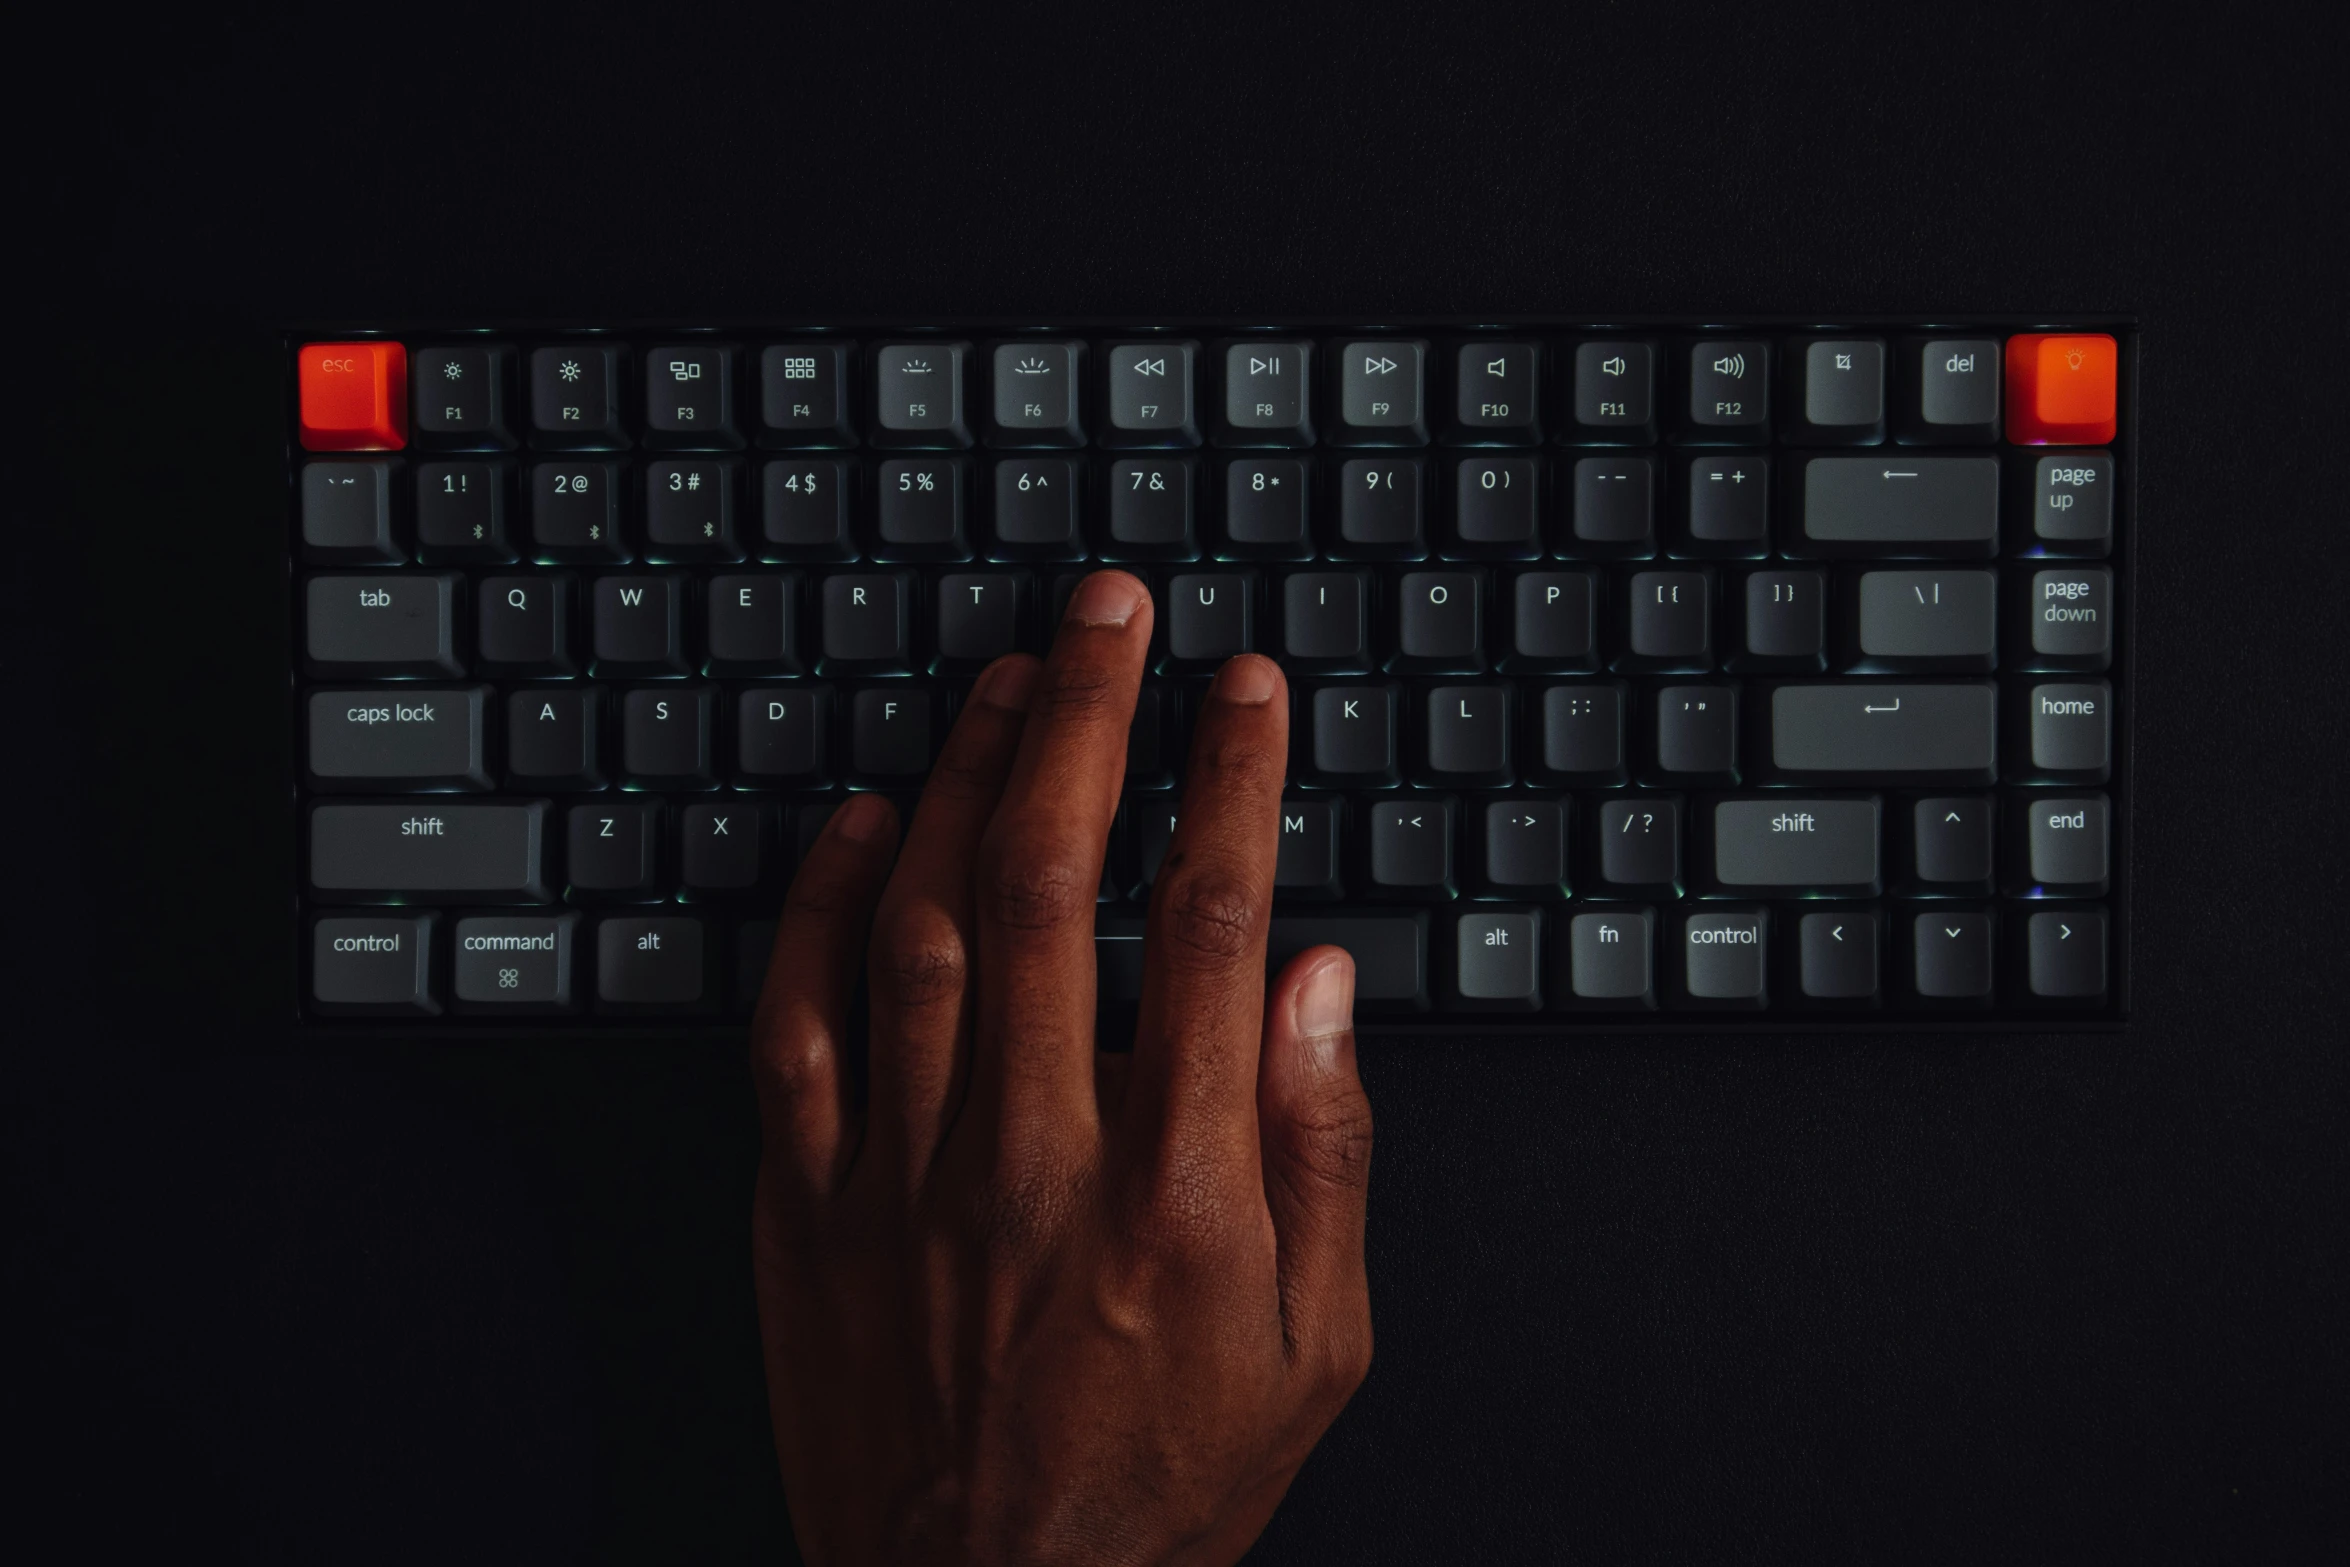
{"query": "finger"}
[(799, 1035), (919, 966), (1040, 866), (1315, 1126), (1203, 983)]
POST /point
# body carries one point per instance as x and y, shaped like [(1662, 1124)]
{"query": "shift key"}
[(430, 850), (1784, 845), (1866, 731)]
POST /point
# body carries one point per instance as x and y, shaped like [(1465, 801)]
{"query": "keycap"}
[(614, 851), (2069, 613), (1917, 505), (430, 850), (807, 509), (1149, 506), (1380, 393), (689, 397), (1696, 734), (1725, 958), (382, 624), (1640, 846), (1839, 390), (638, 626), (2072, 502), (2066, 844), (2060, 388), (1783, 623), (918, 394), (1951, 843), (1837, 956), (1209, 617), (804, 393), (2070, 730), (780, 733), (1670, 616), (1036, 387), (1953, 389), (1307, 863), (1525, 848), (654, 963), (397, 738), (1390, 953), (1467, 737), (2066, 954), (1440, 621), (1950, 955), (1730, 389), (523, 625), (722, 847), (1607, 961), (1352, 738), (752, 624), (347, 515), (1866, 730), (920, 512), (1614, 507), (1497, 961), (668, 737), (1410, 848), (1726, 503), (354, 396), (374, 964), (1497, 393), (465, 397), (1497, 506), (1268, 502), (980, 616), (576, 392), (1150, 758), (1583, 733), (1148, 393), (1928, 620), (1037, 508), (867, 623), (1615, 393), (1794, 846), (464, 512), (552, 739), (1326, 620), (1380, 509), (1552, 621), (575, 510), (518, 963), (893, 732), (690, 509), (1267, 393)]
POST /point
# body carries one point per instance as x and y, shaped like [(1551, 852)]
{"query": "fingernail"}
[(1006, 684), (1326, 1008), (860, 819), (1247, 680), (1107, 598)]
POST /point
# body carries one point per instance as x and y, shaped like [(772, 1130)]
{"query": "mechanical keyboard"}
[(1680, 673)]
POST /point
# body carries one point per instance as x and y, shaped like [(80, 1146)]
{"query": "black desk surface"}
[(1830, 1298)]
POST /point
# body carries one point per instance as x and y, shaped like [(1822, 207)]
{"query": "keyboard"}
[(1676, 674)]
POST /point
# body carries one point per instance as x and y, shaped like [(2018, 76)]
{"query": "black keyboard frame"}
[(1889, 1016)]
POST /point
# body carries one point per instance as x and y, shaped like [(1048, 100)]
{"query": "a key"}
[(1793, 846), (1149, 507), (689, 397), (1381, 395), (382, 624), (807, 509), (918, 394), (1307, 862), (654, 963), (1440, 621), (1267, 501), (1497, 394), (1942, 506), (1209, 617), (1670, 615), (378, 965), (1950, 843), (867, 623), (1497, 507), (1035, 389), (1840, 391), (1390, 953), (2065, 843), (1952, 389), (2060, 388), (514, 963), (639, 626), (576, 392), (1467, 737), (399, 738), (463, 510), (722, 847), (347, 516), (1037, 502), (1410, 849), (614, 851), (1353, 735), (919, 510), (1607, 962), (1615, 393), (753, 624), (1497, 961), (354, 396), (1950, 955), (1697, 734), (1836, 956), (1147, 393), (1525, 848), (1782, 623), (2068, 615), (804, 393), (1725, 958), (1267, 393), (1726, 503), (430, 851), (1614, 508), (1730, 390), (892, 733), (1326, 621), (523, 625), (551, 739), (1927, 620), (1583, 733), (2072, 502), (2065, 955), (2070, 731), (1553, 619), (1640, 846), (667, 737), (780, 734), (979, 617), (464, 397), (1864, 731), (1380, 509), (575, 510), (690, 509)]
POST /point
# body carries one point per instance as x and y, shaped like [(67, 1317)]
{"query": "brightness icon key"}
[(1034, 393), (2061, 388)]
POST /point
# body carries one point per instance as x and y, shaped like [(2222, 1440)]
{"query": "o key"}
[(2060, 389), (354, 397)]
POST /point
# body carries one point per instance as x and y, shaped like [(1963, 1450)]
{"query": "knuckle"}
[(1211, 914), (794, 1066), (1243, 761), (965, 773), (1078, 690), (1328, 1138), (918, 958), (1032, 887)]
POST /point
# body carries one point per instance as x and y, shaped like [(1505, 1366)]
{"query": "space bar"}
[(1390, 952)]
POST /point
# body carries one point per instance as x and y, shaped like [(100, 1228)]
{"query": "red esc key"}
[(2060, 388), (354, 397)]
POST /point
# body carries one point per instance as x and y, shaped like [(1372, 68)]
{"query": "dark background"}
[(1830, 1298)]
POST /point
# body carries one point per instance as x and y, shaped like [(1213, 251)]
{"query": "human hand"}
[(1024, 1300)]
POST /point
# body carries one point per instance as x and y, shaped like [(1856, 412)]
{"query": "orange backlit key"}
[(354, 397), (2060, 388)]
